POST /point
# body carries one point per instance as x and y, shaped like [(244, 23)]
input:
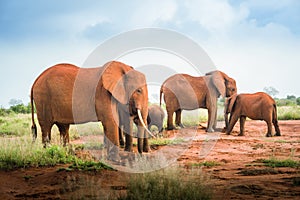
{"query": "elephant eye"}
[(139, 90)]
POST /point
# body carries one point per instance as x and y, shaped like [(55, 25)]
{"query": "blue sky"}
[(256, 42)]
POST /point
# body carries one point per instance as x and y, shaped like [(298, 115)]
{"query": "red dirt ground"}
[(239, 174)]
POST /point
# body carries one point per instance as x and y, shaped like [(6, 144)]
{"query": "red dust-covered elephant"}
[(185, 92), (66, 94), (256, 106)]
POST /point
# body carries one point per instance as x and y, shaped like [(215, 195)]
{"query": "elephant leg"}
[(210, 122), (214, 119), (269, 133), (128, 127), (170, 125), (112, 140), (46, 133), (232, 121), (146, 146), (178, 118), (121, 137), (160, 128), (140, 139), (64, 133), (276, 126), (242, 125), (226, 120)]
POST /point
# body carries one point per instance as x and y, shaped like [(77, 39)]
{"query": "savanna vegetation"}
[(18, 151)]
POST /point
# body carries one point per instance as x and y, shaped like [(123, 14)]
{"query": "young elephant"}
[(257, 106), (155, 117)]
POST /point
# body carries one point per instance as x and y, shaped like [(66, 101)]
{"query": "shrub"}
[(274, 162), (288, 112), (298, 101), (166, 184)]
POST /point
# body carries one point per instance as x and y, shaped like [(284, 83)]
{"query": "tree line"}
[(17, 106)]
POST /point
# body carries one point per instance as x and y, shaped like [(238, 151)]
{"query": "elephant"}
[(65, 94), (155, 117), (256, 106), (185, 92)]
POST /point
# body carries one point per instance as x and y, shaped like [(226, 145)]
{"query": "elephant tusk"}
[(143, 124)]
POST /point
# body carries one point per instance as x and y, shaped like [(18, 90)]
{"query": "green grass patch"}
[(90, 165), (288, 112), (20, 152), (15, 124), (256, 172), (166, 184), (165, 141), (285, 141), (205, 164), (274, 162)]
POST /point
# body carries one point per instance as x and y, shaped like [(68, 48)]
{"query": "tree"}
[(291, 97), (271, 91), (298, 101), (14, 102), (17, 106)]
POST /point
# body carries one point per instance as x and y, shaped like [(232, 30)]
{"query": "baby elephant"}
[(257, 106), (155, 117)]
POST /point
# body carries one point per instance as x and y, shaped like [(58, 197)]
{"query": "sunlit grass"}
[(172, 184), (288, 112)]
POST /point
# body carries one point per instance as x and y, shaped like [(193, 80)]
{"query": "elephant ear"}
[(114, 80), (218, 79)]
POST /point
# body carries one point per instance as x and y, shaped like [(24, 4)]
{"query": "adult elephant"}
[(185, 92), (66, 94), (257, 106)]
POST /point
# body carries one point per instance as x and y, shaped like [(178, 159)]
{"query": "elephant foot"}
[(122, 143), (241, 134), (269, 135), (210, 130), (114, 158), (180, 125), (224, 130), (277, 134), (129, 149), (172, 127), (146, 149)]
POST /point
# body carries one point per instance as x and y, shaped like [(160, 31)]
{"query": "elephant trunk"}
[(142, 122)]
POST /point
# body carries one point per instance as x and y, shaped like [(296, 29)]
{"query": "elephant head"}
[(129, 88), (225, 85)]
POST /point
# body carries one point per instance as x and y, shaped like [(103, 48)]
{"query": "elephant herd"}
[(117, 95)]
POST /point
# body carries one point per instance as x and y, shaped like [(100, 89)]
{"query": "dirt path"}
[(237, 174)]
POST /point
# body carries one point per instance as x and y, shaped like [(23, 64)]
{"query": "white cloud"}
[(215, 15), (149, 13)]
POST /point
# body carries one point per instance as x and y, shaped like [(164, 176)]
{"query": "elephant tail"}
[(274, 115), (160, 95), (33, 127)]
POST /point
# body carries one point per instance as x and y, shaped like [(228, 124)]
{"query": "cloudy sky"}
[(256, 42)]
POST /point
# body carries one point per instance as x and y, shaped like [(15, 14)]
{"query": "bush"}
[(21, 108), (285, 102), (298, 101), (288, 112), (16, 125), (166, 184)]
